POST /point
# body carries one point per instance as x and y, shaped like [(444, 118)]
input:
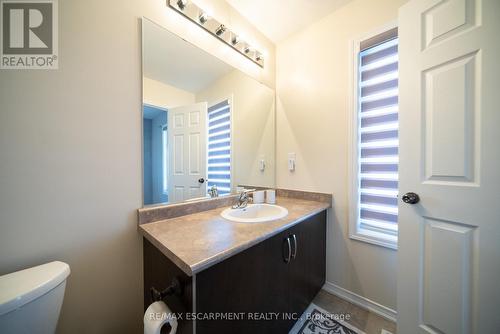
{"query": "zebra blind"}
[(219, 147), (378, 140)]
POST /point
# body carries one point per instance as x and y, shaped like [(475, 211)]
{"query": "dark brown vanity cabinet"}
[(272, 282), (263, 289)]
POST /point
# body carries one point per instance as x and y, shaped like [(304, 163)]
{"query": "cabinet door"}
[(308, 268), (253, 281)]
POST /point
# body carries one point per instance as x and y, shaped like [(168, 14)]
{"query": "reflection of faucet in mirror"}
[(243, 200), (213, 192)]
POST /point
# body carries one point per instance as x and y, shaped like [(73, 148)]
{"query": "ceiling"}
[(278, 19), (172, 60)]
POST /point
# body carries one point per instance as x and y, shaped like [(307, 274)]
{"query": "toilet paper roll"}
[(157, 315)]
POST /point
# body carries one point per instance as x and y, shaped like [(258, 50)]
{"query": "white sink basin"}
[(255, 213)]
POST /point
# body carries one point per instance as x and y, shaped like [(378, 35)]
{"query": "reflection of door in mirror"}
[(187, 152), (177, 172), (155, 154)]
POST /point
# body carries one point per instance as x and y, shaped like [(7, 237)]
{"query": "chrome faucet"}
[(243, 200), (213, 192)]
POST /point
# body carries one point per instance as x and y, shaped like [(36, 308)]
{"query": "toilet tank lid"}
[(21, 287)]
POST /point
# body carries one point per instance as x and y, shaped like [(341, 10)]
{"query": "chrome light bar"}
[(200, 17)]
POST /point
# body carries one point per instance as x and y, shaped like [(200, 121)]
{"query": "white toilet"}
[(31, 299)]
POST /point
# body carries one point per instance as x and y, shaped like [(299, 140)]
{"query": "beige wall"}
[(163, 95), (70, 157), (253, 126), (312, 120)]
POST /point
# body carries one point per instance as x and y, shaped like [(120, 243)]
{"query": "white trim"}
[(353, 179), (369, 238), (363, 302)]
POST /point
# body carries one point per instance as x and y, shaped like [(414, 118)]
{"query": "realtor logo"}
[(29, 34)]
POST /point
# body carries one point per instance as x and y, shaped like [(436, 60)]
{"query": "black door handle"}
[(201, 180), (411, 198)]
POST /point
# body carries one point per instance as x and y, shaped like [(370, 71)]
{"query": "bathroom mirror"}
[(207, 127)]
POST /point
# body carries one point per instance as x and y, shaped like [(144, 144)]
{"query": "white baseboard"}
[(361, 301)]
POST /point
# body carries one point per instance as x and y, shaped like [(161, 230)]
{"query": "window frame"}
[(164, 158), (353, 150)]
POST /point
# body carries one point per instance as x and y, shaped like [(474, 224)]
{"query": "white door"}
[(449, 243), (187, 142)]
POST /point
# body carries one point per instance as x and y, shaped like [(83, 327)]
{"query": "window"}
[(374, 193), (219, 147)]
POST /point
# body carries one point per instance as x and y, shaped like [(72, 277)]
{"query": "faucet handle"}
[(243, 200), (213, 192)]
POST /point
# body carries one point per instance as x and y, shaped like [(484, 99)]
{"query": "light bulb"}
[(235, 40), (220, 30), (182, 4), (203, 17)]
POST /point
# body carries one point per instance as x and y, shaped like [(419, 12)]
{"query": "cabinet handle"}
[(287, 260), (294, 254)]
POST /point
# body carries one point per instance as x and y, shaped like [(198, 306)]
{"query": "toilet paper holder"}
[(175, 288)]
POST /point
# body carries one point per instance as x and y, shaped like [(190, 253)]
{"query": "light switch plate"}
[(291, 162)]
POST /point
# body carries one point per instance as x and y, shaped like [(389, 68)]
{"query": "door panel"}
[(188, 138), (448, 252), (448, 244), (194, 153), (449, 99), (178, 154), (444, 19)]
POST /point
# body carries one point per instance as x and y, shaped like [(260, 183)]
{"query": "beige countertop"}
[(197, 241)]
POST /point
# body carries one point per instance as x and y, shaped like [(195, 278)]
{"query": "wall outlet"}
[(291, 162)]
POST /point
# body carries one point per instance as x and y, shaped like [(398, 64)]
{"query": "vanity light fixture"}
[(182, 4), (197, 15)]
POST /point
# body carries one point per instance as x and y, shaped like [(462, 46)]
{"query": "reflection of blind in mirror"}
[(219, 147)]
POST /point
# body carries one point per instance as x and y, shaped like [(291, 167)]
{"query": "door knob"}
[(201, 180), (411, 198)]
